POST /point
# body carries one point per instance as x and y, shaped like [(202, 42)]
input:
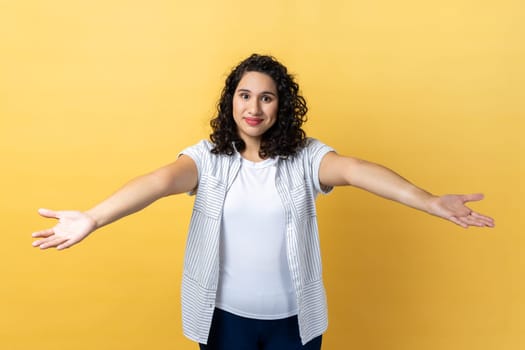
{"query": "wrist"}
[(91, 214), (420, 199), (430, 204)]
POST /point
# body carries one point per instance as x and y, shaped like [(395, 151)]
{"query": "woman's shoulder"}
[(311, 141), (205, 144), (202, 146), (202, 153), (313, 145)]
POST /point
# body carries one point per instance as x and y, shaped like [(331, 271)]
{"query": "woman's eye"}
[(245, 96), (266, 99)]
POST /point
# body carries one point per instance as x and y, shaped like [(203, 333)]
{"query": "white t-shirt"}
[(254, 278)]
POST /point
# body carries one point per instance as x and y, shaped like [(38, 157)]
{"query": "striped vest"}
[(297, 182)]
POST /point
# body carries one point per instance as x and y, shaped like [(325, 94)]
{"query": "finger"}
[(475, 220), (45, 239), (43, 233), (472, 197), (66, 245), (457, 221), (48, 213), (466, 222), (471, 221), (37, 243), (53, 243), (487, 221)]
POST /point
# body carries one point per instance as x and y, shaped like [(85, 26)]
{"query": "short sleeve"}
[(198, 153), (315, 151)]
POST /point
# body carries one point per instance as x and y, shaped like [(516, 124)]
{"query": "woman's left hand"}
[(452, 207)]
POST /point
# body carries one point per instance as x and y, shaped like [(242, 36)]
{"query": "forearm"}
[(386, 183), (132, 197), (177, 177)]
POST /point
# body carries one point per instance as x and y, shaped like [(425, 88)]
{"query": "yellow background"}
[(93, 93)]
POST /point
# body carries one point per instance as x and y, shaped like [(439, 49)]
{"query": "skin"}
[(255, 99)]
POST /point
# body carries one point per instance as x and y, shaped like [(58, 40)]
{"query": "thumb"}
[(48, 213), (472, 197)]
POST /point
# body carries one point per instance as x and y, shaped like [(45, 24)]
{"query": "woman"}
[(252, 272)]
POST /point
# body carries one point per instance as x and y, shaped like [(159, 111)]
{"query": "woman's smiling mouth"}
[(253, 121)]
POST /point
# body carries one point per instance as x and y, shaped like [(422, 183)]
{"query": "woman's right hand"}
[(72, 227)]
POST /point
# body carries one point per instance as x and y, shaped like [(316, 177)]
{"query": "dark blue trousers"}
[(232, 332)]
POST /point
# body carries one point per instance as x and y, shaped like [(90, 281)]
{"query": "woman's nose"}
[(254, 107)]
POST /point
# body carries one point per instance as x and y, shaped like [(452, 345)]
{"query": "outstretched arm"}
[(338, 170), (73, 226)]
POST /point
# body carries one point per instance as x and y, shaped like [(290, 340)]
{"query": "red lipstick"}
[(253, 121)]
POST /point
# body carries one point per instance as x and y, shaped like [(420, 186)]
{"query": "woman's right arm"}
[(73, 226)]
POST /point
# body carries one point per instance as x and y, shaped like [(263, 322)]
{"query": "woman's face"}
[(255, 105)]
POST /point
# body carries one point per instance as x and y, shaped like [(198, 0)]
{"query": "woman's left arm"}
[(336, 170)]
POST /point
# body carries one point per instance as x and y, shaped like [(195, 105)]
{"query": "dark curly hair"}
[(285, 137)]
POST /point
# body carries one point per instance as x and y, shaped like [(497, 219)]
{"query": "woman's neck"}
[(251, 150), (251, 155)]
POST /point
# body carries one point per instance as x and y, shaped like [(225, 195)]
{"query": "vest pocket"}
[(302, 201), (210, 197)]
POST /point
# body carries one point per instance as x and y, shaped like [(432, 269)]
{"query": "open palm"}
[(72, 227), (452, 207)]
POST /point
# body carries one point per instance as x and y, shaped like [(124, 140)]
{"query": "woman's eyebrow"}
[(262, 93)]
